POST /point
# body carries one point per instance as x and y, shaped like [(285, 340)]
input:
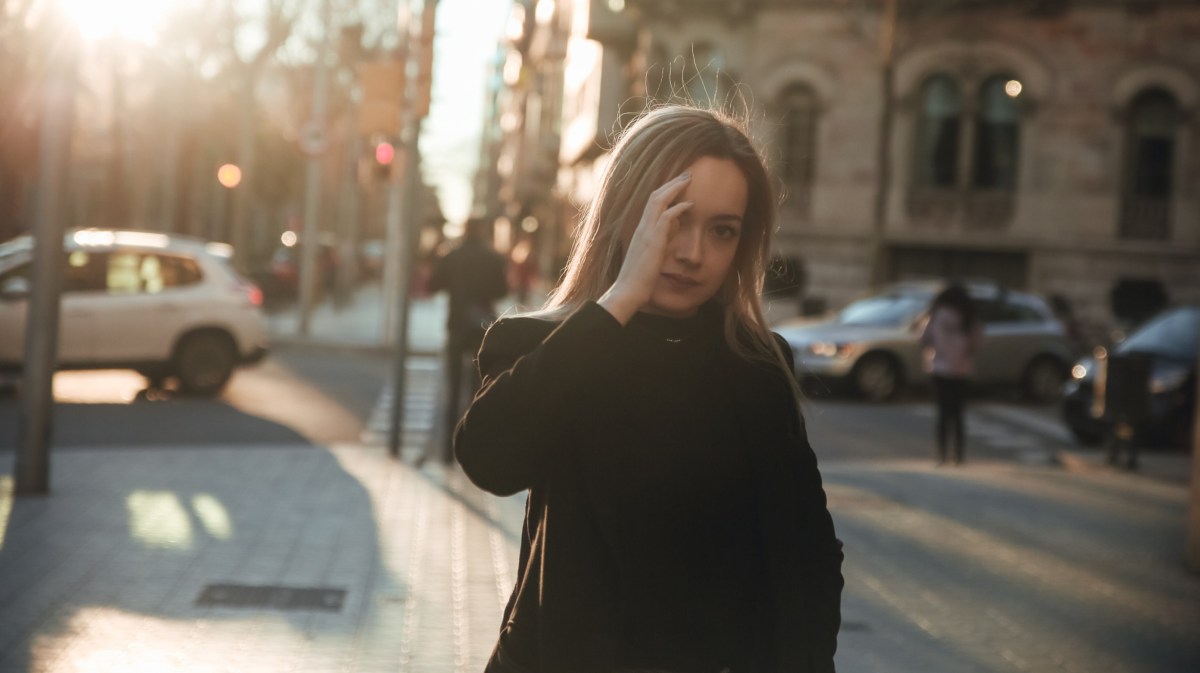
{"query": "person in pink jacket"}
[(951, 339)]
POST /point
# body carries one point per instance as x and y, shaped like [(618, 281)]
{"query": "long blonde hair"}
[(656, 147)]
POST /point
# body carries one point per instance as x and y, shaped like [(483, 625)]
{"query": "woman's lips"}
[(680, 282)]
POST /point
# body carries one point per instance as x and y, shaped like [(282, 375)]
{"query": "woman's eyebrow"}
[(726, 217)]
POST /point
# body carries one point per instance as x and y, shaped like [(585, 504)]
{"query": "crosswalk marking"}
[(1027, 434), (421, 402), (1051, 429)]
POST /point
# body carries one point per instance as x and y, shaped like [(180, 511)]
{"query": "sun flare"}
[(130, 19)]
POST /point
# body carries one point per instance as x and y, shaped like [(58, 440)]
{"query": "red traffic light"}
[(384, 154)]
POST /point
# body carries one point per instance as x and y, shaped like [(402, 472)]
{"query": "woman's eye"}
[(725, 231)]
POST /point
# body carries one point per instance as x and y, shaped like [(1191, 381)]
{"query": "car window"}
[(84, 271), (883, 311), (124, 273), (1006, 311), (1011, 311), (167, 271), (1173, 334), (133, 272)]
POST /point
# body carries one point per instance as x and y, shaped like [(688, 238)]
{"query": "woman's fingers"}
[(660, 197), (656, 205), (644, 254), (670, 214)]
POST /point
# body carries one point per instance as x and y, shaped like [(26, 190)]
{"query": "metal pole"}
[(312, 186), (412, 166), (393, 227), (412, 182), (36, 418)]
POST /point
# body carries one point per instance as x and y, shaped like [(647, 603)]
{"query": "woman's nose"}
[(687, 245)]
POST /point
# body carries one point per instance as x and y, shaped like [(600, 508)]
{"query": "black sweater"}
[(662, 529), (692, 599)]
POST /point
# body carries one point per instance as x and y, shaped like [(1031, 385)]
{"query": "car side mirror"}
[(14, 289)]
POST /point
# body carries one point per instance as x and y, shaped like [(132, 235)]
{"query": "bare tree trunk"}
[(118, 211)]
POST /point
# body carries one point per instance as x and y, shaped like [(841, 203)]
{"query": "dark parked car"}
[(1169, 341)]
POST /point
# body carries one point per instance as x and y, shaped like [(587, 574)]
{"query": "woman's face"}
[(701, 251)]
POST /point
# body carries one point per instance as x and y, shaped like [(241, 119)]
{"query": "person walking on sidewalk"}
[(950, 339), (676, 519), (475, 277)]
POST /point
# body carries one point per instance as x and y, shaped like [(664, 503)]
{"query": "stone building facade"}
[(1051, 145)]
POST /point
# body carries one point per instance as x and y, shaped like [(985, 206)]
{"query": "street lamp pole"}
[(312, 186), (32, 465), (415, 109)]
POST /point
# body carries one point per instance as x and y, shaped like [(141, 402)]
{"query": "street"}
[(1008, 563)]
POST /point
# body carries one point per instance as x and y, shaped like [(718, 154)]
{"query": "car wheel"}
[(204, 362), (876, 377), (1043, 380)]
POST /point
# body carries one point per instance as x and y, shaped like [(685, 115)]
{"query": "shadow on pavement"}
[(105, 573), (160, 423)]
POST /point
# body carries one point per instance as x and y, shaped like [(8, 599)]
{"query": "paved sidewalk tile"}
[(104, 574)]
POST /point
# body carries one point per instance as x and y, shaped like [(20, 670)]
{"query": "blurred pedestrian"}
[(473, 274), (676, 518), (951, 338)]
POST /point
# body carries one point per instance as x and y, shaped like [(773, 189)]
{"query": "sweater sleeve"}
[(534, 387), (822, 563), (821, 571)]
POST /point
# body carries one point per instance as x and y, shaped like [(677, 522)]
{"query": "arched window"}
[(798, 105), (938, 134), (996, 135), (1149, 159)]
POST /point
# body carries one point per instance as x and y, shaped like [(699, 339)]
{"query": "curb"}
[(1071, 461), (293, 343)]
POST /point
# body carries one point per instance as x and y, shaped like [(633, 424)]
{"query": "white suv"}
[(166, 306)]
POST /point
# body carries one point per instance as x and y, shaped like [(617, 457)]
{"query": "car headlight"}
[(830, 349)]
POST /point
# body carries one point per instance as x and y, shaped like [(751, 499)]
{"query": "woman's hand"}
[(643, 260)]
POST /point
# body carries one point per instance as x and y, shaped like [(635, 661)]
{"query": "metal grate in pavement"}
[(271, 597)]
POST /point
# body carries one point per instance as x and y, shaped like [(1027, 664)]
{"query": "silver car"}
[(873, 343)]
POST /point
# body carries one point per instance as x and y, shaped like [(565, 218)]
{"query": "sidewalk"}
[(295, 558)]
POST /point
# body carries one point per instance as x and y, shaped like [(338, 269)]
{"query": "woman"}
[(951, 337), (675, 519)]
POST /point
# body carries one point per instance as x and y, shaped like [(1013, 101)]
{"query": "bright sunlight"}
[(131, 19)]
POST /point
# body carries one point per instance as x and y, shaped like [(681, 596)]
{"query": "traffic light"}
[(385, 155)]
